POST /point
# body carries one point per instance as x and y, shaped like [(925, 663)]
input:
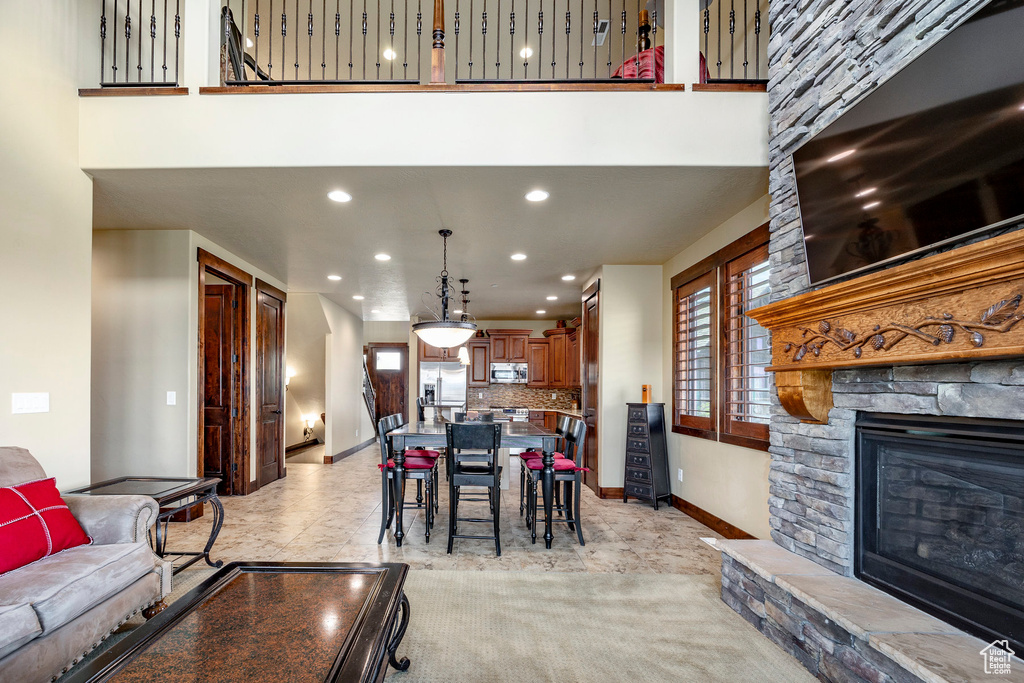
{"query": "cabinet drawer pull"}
[(639, 491), (641, 460), (638, 474)]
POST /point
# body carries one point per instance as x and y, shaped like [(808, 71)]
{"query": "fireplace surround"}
[(940, 518)]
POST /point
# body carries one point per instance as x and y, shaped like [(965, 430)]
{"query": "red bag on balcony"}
[(651, 64)]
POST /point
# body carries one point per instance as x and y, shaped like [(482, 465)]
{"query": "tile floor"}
[(333, 512)]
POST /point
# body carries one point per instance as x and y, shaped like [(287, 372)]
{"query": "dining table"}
[(432, 435)]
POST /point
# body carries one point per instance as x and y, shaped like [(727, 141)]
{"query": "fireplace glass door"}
[(940, 518)]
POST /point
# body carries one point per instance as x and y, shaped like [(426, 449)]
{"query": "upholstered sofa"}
[(57, 609)]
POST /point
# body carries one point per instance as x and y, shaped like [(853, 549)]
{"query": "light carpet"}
[(525, 626), (550, 626)]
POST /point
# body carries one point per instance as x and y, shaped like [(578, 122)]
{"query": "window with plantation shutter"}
[(693, 395), (721, 390), (746, 351)]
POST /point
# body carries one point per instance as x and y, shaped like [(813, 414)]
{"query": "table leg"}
[(218, 522), (399, 483), (548, 482), (396, 640)]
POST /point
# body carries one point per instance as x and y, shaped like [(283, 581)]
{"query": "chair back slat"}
[(385, 425), (573, 432)]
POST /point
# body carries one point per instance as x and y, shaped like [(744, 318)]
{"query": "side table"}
[(176, 494)]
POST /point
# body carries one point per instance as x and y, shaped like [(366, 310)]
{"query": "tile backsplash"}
[(508, 395)]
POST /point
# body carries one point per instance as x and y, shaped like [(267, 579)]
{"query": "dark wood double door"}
[(224, 403)]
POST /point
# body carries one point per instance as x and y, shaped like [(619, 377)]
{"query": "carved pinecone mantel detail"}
[(1000, 317)]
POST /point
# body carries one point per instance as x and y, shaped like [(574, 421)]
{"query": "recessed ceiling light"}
[(374, 311), (518, 257), (248, 42), (339, 196), (526, 53), (552, 298), (568, 278), (494, 284), (382, 257), (334, 277), (457, 311), (541, 312), (537, 195), (871, 205), (841, 155), (358, 297), (865, 193), (389, 54)]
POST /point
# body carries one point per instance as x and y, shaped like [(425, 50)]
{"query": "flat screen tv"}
[(933, 155)]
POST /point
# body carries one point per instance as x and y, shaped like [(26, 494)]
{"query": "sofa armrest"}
[(114, 519)]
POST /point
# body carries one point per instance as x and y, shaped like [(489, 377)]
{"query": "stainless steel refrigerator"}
[(449, 383)]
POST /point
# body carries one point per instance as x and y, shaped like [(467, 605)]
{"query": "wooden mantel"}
[(962, 304)]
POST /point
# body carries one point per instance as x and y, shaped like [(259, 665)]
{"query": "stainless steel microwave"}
[(508, 373)]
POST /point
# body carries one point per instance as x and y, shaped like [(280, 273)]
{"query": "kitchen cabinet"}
[(432, 354), (572, 359), (509, 346), (479, 363), (550, 420), (537, 417), (556, 360), (538, 360)]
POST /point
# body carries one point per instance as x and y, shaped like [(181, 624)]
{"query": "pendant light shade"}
[(444, 333)]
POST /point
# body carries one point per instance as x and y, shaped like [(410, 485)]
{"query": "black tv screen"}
[(933, 154)]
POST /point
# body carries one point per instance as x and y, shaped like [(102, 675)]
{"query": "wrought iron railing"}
[(554, 40), (139, 43), (734, 40), (302, 42), (369, 395)]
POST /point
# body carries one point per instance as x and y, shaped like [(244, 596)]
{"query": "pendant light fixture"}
[(444, 333), (463, 351)]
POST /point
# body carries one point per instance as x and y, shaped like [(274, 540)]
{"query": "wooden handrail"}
[(437, 48)]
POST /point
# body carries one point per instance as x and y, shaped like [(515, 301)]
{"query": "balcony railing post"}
[(437, 47)]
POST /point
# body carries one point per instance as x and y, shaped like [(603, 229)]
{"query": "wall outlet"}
[(30, 403), (680, 474), (554, 396), (480, 394), (357, 432), (172, 398)]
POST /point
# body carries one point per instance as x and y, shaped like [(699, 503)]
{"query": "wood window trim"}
[(748, 434), (714, 266), (699, 426)]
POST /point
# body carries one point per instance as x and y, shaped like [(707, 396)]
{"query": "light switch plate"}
[(30, 403), (172, 398), (680, 474)]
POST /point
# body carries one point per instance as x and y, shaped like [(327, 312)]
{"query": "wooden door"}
[(591, 323), (556, 361), (517, 348), (270, 303), (499, 349), (218, 388), (479, 364), (388, 365), (537, 363)]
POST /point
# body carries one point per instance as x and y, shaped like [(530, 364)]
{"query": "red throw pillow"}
[(35, 522)]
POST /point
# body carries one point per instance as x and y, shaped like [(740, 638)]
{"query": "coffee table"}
[(269, 621), (172, 495)]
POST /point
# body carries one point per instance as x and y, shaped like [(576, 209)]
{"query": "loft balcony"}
[(413, 83)]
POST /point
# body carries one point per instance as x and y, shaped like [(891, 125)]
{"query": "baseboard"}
[(609, 493), (331, 459), (254, 486), (709, 520), (299, 446)]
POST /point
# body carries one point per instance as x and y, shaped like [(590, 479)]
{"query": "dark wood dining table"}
[(432, 435)]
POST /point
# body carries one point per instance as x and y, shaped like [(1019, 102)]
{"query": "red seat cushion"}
[(418, 453), (527, 455), (413, 463), (35, 523), (561, 465)]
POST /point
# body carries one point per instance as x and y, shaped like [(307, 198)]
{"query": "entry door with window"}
[(270, 303), (388, 367)]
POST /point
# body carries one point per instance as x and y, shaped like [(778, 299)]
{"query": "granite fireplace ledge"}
[(842, 629)]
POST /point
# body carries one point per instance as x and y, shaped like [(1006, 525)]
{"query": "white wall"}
[(146, 343), (730, 482), (140, 351), (346, 419), (306, 395), (630, 355), (45, 232)]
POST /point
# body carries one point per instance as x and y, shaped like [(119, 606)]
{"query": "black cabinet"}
[(646, 454)]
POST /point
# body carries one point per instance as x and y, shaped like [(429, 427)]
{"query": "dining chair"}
[(482, 439), (420, 466), (568, 472)]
